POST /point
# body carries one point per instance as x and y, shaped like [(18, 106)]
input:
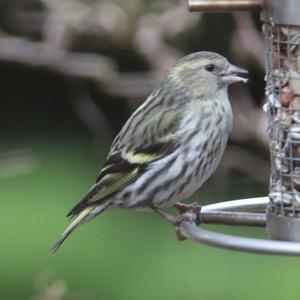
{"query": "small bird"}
[(170, 145)]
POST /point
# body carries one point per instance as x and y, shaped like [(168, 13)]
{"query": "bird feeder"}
[(279, 213)]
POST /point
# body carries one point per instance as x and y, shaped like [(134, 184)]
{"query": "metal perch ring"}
[(237, 212)]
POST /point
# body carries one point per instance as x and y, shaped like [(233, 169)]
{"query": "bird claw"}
[(177, 222), (179, 235), (185, 216), (182, 218)]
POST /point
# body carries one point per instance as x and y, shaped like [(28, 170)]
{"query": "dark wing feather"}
[(127, 161), (119, 172)]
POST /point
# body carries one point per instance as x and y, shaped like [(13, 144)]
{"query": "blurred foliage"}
[(71, 73)]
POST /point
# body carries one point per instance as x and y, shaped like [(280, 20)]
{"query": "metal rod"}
[(233, 218), (243, 205), (231, 242), (225, 5)]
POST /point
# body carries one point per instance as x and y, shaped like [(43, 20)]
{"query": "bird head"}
[(206, 72)]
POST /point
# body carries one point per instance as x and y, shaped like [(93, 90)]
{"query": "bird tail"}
[(84, 216)]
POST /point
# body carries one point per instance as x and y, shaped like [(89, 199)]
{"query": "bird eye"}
[(210, 67)]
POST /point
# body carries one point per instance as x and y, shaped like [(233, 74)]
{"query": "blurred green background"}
[(71, 73)]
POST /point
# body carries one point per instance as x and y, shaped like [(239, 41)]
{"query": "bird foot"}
[(170, 218), (178, 220), (183, 217), (194, 207)]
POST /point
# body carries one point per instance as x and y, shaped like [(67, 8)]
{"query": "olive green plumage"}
[(170, 145)]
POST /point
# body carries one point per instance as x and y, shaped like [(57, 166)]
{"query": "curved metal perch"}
[(237, 212)]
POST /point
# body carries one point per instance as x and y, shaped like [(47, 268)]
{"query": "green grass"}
[(122, 254)]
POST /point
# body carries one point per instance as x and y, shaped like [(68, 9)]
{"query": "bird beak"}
[(231, 74)]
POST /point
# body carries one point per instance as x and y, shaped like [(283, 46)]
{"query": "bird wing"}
[(128, 160)]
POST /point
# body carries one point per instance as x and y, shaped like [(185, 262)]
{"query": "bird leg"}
[(173, 220), (176, 221), (163, 214)]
